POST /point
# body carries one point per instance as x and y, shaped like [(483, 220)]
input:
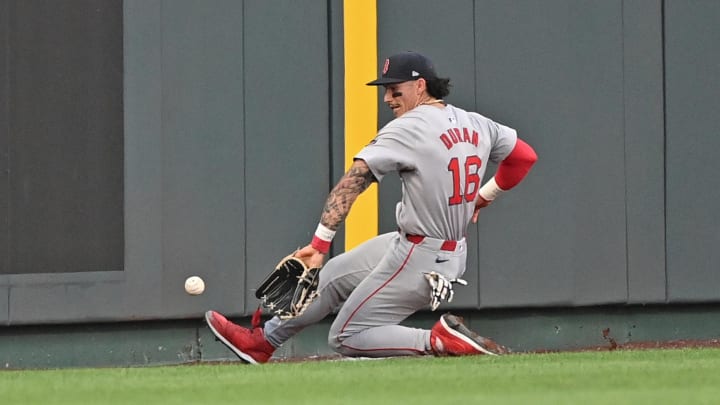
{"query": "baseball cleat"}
[(450, 337), (248, 344)]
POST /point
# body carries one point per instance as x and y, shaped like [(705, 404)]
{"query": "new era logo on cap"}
[(403, 67)]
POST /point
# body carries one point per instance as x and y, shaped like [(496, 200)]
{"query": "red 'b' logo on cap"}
[(386, 66)]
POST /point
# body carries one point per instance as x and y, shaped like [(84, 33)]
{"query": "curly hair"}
[(438, 87)]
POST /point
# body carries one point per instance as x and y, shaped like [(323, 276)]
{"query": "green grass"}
[(620, 377)]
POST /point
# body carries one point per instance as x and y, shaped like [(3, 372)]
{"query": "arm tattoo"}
[(344, 194)]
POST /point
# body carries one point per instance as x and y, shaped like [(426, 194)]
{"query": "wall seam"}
[(331, 87), (163, 240), (6, 107), (625, 157), (478, 289), (664, 127), (243, 47)]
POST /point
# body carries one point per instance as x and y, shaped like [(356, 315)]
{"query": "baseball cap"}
[(403, 67)]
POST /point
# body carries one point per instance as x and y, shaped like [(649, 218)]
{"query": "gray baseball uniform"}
[(441, 155)]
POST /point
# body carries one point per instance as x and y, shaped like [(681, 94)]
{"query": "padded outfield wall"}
[(161, 139)]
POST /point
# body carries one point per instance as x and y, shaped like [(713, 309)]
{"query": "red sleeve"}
[(515, 166)]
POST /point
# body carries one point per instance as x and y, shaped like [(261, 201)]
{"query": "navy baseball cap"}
[(403, 67)]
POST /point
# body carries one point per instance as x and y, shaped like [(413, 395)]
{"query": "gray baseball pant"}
[(374, 287)]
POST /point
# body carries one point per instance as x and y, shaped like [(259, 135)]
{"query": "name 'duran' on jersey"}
[(454, 136)]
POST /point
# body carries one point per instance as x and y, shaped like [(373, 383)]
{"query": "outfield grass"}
[(619, 377)]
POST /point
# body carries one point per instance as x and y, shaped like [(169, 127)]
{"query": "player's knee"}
[(335, 341), (338, 342), (336, 338)]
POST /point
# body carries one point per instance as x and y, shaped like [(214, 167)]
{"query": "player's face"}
[(402, 97)]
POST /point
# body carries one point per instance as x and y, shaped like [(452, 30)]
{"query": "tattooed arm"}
[(337, 206), (346, 191)]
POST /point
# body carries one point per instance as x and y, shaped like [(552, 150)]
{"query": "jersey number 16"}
[(472, 179)]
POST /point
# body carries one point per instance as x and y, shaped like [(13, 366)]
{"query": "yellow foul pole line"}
[(360, 46)]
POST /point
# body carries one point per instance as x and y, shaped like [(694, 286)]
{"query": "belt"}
[(448, 245)]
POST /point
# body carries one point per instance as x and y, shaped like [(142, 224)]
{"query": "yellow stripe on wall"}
[(360, 30)]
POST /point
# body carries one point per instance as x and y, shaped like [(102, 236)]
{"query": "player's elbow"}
[(516, 166), (524, 154), (532, 157)]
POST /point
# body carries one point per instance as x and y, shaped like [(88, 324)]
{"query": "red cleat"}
[(450, 337), (248, 344)]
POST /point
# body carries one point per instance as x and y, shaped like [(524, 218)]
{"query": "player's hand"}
[(480, 203), (310, 256)]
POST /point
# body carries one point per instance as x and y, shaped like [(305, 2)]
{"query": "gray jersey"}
[(441, 156)]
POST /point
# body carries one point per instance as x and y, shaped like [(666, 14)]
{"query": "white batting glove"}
[(441, 288)]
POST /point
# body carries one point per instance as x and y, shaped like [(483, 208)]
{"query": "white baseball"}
[(194, 285)]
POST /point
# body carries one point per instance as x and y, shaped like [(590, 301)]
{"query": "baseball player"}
[(440, 152)]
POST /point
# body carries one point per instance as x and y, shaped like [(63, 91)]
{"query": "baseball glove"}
[(289, 289)]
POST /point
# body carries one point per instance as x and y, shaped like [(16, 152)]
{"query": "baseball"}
[(194, 285)]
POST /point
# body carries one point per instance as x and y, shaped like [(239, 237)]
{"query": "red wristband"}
[(322, 246)]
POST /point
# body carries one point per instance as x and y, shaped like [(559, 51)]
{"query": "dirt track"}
[(672, 344), (612, 345)]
